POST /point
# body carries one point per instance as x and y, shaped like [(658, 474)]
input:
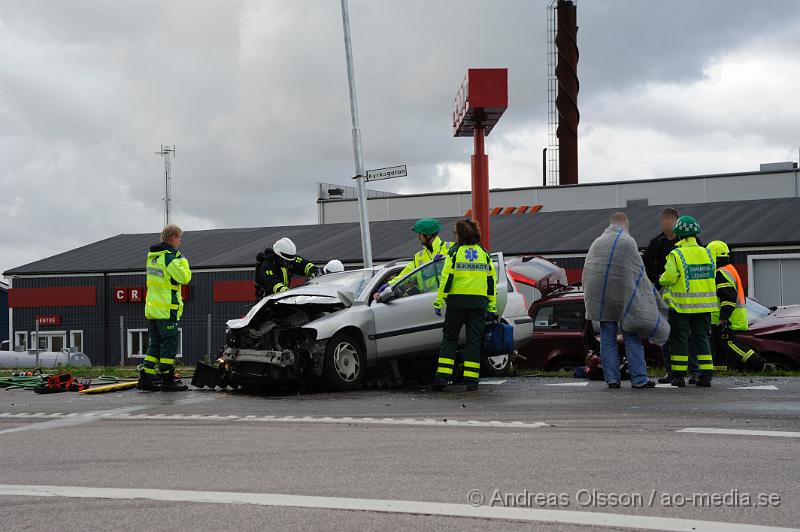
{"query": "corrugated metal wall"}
[(101, 324), (3, 315)]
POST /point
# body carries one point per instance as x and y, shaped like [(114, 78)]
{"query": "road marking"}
[(119, 415), (585, 383), (493, 381), (666, 386), (742, 432), (386, 506), (59, 420), (764, 387)]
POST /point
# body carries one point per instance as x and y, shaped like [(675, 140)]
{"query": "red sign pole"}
[(480, 186)]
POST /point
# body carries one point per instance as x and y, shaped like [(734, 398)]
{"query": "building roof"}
[(773, 222), (658, 180)]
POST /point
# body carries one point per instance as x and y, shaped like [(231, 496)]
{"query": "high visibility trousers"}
[(475, 321), (686, 330), (162, 347), (728, 352)]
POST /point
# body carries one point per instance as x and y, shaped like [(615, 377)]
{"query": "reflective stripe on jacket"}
[(423, 256), (468, 271), (689, 278), (738, 318), (166, 270)]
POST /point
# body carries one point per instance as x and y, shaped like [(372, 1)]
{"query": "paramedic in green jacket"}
[(167, 272), (468, 289), (433, 247)]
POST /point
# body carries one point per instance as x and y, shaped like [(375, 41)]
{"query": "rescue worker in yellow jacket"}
[(691, 294), (167, 271), (731, 317), (467, 287), (427, 230)]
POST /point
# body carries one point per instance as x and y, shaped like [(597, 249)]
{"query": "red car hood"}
[(783, 319)]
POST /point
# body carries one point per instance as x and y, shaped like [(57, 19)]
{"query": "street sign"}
[(387, 173)]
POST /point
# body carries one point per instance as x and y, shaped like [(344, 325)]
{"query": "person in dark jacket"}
[(279, 263), (655, 255), (260, 280)]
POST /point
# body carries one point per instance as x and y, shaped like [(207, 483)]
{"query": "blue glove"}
[(383, 287), (438, 256), (438, 312)]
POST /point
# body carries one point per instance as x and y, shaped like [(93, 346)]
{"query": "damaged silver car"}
[(330, 332)]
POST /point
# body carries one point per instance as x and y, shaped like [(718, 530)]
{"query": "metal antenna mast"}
[(167, 153)]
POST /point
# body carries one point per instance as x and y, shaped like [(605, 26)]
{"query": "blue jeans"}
[(610, 357)]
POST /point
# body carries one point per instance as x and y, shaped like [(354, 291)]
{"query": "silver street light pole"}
[(366, 243)]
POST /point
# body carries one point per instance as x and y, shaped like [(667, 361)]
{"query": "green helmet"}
[(686, 226), (718, 248), (427, 226)]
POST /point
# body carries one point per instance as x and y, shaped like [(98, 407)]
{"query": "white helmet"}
[(285, 249), (334, 266)]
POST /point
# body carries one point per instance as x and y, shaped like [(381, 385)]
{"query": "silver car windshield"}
[(354, 281)]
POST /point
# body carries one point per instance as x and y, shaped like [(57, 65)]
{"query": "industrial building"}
[(3, 312), (100, 310)]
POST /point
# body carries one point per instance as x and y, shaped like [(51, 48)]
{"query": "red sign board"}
[(137, 294), (59, 296), (480, 101), (44, 321), (120, 295)]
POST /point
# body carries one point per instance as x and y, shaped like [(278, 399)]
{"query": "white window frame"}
[(48, 334), (179, 354), (24, 334), (751, 288), (70, 338)]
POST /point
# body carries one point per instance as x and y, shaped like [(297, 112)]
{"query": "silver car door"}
[(407, 325)]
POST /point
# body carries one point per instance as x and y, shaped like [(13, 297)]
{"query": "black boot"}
[(146, 382), (693, 378), (677, 380), (666, 379), (439, 384), (472, 386), (704, 381), (169, 384)]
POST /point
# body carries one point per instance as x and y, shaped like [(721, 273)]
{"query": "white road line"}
[(764, 387), (742, 432), (585, 383), (428, 422), (493, 381), (122, 415), (666, 386), (58, 420), (386, 506)]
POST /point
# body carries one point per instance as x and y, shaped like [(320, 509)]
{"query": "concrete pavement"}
[(526, 443)]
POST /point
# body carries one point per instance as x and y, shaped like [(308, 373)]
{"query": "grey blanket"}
[(616, 287)]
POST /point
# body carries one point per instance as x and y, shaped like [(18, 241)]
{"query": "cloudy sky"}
[(254, 95)]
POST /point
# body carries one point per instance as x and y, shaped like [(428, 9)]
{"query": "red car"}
[(562, 336)]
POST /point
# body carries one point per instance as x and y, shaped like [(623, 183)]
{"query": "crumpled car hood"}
[(301, 293), (783, 319)]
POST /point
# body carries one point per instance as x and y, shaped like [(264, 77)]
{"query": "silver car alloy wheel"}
[(346, 362), (498, 362)]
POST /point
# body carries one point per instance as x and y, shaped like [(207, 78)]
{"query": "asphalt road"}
[(527, 453)]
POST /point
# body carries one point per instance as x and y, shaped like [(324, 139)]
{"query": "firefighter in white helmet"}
[(279, 263), (333, 266)]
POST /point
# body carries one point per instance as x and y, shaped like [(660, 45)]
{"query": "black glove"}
[(492, 317), (725, 333)]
